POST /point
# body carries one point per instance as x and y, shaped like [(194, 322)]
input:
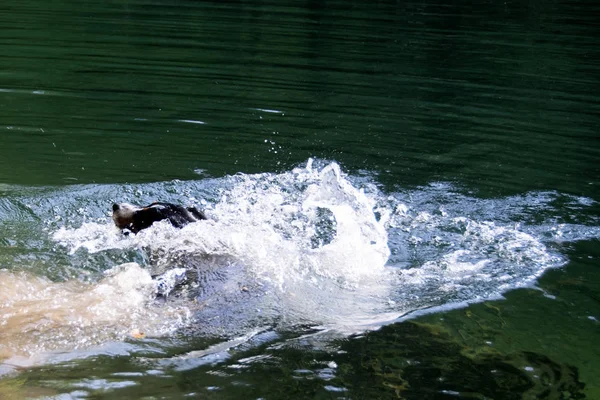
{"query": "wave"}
[(310, 247)]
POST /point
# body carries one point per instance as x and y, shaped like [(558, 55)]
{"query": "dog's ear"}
[(197, 213)]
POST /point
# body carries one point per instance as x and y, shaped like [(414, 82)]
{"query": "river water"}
[(402, 200)]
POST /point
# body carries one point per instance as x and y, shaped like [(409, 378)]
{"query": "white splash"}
[(308, 238), (323, 248), (271, 222)]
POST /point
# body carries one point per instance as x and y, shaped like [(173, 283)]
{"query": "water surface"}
[(430, 168)]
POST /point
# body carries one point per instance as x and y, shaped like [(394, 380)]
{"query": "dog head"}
[(123, 214)]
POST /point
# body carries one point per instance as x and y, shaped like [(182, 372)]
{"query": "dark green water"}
[(488, 112)]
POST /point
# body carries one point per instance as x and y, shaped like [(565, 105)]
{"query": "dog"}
[(131, 218)]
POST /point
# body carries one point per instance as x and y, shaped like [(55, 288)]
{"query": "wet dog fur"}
[(132, 218)]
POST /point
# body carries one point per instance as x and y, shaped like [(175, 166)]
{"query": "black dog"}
[(133, 218)]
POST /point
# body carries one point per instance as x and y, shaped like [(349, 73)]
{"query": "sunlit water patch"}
[(311, 249), (38, 316)]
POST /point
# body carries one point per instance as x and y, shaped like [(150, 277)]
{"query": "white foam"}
[(268, 221), (316, 246)]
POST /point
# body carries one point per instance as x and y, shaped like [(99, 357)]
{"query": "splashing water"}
[(308, 247), (74, 314), (453, 249), (272, 222), (308, 241)]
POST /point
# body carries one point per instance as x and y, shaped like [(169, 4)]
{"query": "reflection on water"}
[(491, 95)]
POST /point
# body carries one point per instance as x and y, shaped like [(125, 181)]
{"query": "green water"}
[(495, 99)]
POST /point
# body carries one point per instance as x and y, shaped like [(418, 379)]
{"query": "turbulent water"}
[(309, 250)]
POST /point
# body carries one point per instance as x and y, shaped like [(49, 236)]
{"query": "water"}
[(388, 185)]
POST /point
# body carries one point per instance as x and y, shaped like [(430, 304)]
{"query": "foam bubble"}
[(316, 246), (300, 223)]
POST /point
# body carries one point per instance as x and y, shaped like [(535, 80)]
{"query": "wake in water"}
[(312, 247), (39, 315)]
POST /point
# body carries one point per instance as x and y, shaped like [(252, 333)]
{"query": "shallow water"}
[(388, 185)]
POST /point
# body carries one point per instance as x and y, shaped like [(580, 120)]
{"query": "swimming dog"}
[(129, 217)]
